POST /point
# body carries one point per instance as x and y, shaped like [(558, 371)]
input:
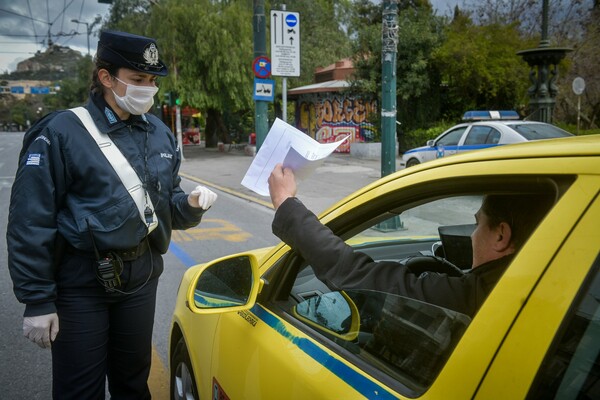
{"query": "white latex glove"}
[(41, 329), (202, 197)]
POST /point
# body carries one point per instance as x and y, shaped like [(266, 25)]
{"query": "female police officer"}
[(84, 256)]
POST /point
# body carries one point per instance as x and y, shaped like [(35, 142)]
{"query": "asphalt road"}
[(232, 225)]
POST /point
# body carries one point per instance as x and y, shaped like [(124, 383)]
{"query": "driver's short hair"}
[(522, 212)]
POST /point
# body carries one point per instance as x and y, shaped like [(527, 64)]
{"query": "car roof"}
[(572, 146), (498, 122), (587, 145)]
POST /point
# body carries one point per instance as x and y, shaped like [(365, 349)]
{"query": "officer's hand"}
[(282, 185), (41, 329), (202, 197)]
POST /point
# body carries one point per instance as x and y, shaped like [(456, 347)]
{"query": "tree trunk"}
[(215, 128)]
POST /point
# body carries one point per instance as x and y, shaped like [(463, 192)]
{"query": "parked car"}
[(484, 129), (261, 325)]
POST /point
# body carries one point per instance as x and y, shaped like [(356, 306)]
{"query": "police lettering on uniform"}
[(96, 196)]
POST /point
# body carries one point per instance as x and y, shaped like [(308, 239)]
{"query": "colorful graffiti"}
[(326, 119)]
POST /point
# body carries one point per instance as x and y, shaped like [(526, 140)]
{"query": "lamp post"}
[(543, 62), (88, 28)]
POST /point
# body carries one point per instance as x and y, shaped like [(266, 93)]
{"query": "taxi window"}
[(407, 339), (451, 138), (571, 370)]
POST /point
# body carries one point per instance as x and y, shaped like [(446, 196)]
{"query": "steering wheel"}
[(419, 264)]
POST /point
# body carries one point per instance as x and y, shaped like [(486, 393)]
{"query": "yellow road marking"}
[(228, 190), (212, 229), (159, 378)]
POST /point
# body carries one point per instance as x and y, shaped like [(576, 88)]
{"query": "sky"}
[(24, 27), (25, 24)]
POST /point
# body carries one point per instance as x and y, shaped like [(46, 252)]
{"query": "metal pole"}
[(388, 89), (89, 30), (260, 49), (179, 131), (284, 91), (578, 112)]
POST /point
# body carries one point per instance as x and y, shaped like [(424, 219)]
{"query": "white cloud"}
[(25, 24)]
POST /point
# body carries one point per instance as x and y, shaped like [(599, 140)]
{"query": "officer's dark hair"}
[(96, 87), (522, 212)]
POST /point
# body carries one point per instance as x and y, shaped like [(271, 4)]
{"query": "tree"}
[(585, 59), (208, 47), (480, 67), (129, 16), (417, 79), (565, 17), (323, 34), (74, 91)]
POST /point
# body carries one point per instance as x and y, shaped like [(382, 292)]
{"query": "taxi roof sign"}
[(490, 115)]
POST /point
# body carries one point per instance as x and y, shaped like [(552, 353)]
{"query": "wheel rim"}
[(184, 388)]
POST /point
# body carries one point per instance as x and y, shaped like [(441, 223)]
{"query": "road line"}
[(228, 190), (159, 379), (184, 257)]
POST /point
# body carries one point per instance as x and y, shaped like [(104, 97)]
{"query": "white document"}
[(291, 147)]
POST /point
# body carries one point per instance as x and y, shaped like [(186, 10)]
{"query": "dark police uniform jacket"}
[(65, 188), (340, 267)]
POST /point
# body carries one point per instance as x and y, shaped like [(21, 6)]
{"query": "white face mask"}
[(137, 99)]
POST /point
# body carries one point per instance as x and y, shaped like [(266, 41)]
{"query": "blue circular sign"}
[(291, 20), (262, 67)]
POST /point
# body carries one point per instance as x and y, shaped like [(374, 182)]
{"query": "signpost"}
[(264, 89), (285, 49), (578, 88), (261, 67), (285, 43)]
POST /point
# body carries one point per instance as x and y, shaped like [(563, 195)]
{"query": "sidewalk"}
[(339, 175)]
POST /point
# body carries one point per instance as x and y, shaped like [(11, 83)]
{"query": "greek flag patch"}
[(33, 159), (109, 115)]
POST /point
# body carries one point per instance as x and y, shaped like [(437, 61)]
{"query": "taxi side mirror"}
[(228, 284)]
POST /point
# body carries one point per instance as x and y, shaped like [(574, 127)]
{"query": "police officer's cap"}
[(126, 50)]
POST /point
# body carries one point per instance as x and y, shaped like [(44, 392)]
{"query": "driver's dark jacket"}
[(340, 267), (65, 188)]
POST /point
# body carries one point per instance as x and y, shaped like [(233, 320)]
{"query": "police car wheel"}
[(183, 386), (412, 162)]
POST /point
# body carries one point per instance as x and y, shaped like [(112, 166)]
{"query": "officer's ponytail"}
[(96, 87)]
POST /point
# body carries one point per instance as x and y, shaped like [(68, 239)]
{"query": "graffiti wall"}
[(326, 118)]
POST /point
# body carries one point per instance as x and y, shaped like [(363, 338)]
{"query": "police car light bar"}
[(490, 115)]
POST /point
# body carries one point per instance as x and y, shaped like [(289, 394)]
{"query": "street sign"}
[(578, 85), (285, 43), (261, 67), (264, 89)]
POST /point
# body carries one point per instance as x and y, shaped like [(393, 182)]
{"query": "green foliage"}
[(74, 91), (323, 39), (20, 113), (419, 137), (417, 79), (129, 16), (480, 67), (573, 129)]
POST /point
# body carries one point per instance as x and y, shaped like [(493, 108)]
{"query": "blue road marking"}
[(184, 257)]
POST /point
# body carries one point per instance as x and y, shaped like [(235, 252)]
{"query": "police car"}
[(261, 325), (484, 129)]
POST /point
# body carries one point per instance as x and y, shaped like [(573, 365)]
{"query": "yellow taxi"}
[(261, 325)]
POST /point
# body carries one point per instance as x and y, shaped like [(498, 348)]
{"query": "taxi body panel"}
[(265, 353)]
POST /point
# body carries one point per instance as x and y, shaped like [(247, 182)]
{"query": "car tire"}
[(183, 385), (412, 162)]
